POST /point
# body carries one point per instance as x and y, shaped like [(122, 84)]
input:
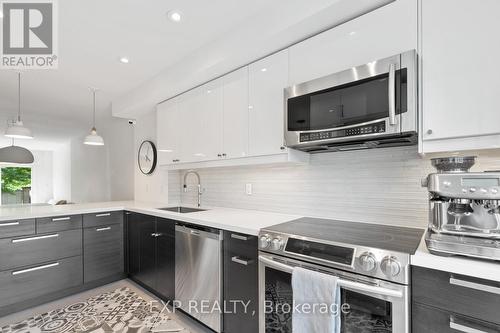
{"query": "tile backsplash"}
[(374, 186)]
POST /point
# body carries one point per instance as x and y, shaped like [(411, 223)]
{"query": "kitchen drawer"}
[(241, 244), (472, 297), (17, 228), (103, 252), (103, 218), (427, 319), (37, 280), (31, 250), (241, 282), (58, 223)]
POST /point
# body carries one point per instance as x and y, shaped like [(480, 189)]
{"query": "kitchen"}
[(247, 156)]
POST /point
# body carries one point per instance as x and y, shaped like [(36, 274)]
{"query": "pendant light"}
[(93, 139), (15, 155), (16, 130)]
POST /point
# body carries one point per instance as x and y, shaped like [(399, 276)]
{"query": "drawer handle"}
[(19, 240), (474, 285), (66, 218), (35, 268), (462, 328), (9, 224), (103, 229), (240, 261), (103, 214), (240, 237)]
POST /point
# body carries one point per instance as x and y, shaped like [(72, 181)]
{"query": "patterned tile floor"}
[(126, 308)]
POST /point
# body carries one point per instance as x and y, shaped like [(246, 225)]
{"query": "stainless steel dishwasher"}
[(198, 272)]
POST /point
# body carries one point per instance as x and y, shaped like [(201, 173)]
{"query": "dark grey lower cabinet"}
[(30, 282), (446, 302), (151, 248), (52, 257), (241, 283), (103, 252), (428, 319)]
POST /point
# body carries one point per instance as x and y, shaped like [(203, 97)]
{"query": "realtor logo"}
[(29, 34)]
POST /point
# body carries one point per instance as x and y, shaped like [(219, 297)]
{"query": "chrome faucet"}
[(199, 184)]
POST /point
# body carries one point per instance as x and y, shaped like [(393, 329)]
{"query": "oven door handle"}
[(351, 285)]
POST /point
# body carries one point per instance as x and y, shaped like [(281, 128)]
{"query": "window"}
[(16, 185)]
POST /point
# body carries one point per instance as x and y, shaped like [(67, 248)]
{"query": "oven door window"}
[(365, 314), (278, 292), (345, 105)]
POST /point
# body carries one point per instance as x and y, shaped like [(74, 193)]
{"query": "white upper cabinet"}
[(201, 123), (460, 74), (267, 80), (235, 115), (167, 120), (387, 31)]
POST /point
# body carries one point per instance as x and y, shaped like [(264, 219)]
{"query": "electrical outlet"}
[(248, 189)]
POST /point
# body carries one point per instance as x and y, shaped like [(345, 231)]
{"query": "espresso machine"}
[(464, 209)]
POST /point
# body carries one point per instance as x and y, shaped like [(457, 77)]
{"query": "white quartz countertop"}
[(483, 269), (237, 220), (242, 221)]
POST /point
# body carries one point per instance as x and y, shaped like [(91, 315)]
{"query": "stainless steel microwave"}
[(368, 106)]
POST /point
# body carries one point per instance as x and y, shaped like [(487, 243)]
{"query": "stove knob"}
[(264, 241), (367, 261), (390, 266), (276, 244)]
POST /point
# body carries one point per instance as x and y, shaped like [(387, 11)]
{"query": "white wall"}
[(89, 172), (42, 177), (154, 187), (61, 166), (120, 145), (104, 173), (374, 186)]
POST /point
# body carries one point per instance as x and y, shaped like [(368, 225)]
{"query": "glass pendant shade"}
[(18, 131), (93, 139)]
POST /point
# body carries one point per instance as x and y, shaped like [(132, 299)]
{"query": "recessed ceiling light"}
[(263, 69), (352, 33), (174, 16), (124, 60)]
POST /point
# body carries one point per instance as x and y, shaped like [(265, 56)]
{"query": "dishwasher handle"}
[(199, 232)]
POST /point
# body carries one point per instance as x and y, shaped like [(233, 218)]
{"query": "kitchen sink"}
[(182, 210)]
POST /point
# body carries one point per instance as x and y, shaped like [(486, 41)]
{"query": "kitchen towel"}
[(312, 291)]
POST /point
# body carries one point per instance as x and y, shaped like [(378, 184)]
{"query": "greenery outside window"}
[(16, 185)]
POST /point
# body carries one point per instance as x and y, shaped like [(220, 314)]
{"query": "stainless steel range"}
[(372, 262), (464, 210)]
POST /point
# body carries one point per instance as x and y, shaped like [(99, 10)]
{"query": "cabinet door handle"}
[(474, 285), (66, 218), (240, 237), (103, 229), (103, 214), (35, 268), (392, 94), (240, 261), (19, 240), (10, 224), (463, 328)]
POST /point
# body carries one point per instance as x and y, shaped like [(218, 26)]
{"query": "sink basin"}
[(182, 210)]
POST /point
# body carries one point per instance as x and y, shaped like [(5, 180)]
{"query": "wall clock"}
[(146, 157)]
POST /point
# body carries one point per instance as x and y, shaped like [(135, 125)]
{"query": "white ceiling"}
[(93, 34)]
